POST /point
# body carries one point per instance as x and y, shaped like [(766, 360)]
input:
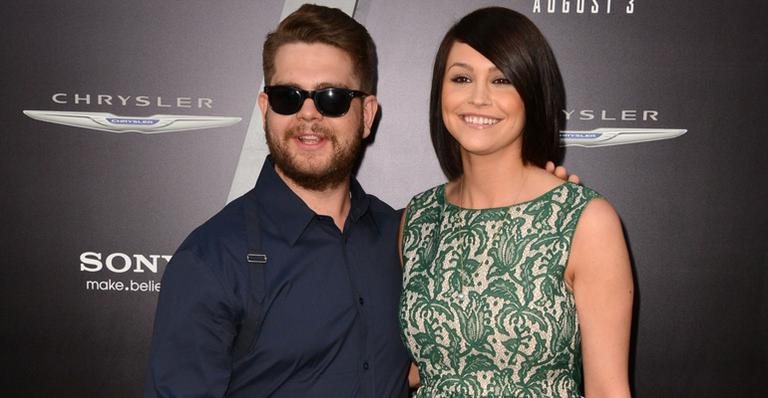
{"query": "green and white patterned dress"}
[(485, 311)]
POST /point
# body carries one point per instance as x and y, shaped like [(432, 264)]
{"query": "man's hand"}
[(561, 173)]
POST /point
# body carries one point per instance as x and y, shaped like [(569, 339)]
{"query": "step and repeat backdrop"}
[(126, 124)]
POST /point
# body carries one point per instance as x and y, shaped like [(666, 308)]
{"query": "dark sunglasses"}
[(331, 101)]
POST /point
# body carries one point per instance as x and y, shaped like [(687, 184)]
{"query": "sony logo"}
[(584, 6), (120, 262), (627, 115), (126, 100)]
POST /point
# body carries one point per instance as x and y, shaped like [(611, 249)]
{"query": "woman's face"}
[(481, 108)]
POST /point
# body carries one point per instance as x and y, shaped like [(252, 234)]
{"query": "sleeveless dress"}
[(485, 311)]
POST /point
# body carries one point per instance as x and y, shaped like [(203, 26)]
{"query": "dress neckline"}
[(442, 199)]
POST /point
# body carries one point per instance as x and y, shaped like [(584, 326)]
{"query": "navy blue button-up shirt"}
[(330, 325)]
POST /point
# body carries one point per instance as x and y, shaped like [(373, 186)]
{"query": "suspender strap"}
[(256, 260)]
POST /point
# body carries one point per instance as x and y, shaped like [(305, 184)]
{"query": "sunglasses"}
[(331, 101)]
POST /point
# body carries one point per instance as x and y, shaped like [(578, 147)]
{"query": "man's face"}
[(316, 152)]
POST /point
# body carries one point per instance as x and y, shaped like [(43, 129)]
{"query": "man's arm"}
[(193, 333)]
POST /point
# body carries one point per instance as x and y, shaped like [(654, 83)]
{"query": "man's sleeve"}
[(194, 330)]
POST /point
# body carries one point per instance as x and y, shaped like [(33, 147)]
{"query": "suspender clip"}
[(257, 258)]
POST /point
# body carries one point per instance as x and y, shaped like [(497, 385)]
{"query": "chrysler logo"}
[(616, 136), (129, 124)]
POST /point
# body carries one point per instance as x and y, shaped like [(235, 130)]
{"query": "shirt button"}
[(365, 365), (361, 301)]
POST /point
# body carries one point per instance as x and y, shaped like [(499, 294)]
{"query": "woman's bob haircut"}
[(516, 46)]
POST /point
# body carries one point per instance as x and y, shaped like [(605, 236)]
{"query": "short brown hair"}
[(517, 47), (318, 24)]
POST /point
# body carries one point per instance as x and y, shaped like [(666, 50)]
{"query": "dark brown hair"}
[(517, 47), (318, 24)]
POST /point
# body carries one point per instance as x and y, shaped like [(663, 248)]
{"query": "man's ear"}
[(263, 104), (370, 107)]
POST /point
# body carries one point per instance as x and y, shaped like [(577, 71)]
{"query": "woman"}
[(512, 278)]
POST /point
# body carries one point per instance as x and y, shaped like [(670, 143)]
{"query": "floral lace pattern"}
[(485, 311)]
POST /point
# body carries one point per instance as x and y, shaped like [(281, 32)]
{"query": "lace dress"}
[(485, 311)]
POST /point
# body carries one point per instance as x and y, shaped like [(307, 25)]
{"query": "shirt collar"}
[(290, 213)]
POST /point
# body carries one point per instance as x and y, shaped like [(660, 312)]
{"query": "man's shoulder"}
[(224, 229), (381, 211)]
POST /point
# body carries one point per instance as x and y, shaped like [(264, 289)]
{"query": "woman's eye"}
[(501, 80), (460, 79)]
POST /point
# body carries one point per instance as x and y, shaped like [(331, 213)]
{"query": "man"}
[(325, 302)]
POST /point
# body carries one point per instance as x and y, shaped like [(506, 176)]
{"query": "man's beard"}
[(308, 173)]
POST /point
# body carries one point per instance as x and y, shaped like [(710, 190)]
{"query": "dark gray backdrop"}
[(693, 207)]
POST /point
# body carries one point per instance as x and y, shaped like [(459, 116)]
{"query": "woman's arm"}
[(413, 371), (601, 277), (413, 376)]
